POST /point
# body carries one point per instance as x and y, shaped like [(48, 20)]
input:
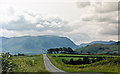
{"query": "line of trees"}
[(60, 50)]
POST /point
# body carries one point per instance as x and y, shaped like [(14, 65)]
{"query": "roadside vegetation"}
[(0, 64), (29, 64), (7, 63), (86, 63), (23, 63)]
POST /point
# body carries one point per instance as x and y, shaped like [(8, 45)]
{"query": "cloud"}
[(111, 29), (39, 26), (106, 7), (108, 24), (19, 24), (36, 22), (98, 21), (83, 4), (105, 17)]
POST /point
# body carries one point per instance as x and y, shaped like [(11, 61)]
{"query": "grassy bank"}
[(29, 64), (100, 66)]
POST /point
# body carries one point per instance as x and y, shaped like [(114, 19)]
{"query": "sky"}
[(81, 21)]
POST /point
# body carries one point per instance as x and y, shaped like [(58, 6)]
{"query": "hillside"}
[(96, 42), (99, 48), (34, 44)]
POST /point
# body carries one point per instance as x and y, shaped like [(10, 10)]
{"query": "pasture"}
[(110, 63), (91, 55)]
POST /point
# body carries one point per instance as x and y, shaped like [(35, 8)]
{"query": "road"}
[(51, 68)]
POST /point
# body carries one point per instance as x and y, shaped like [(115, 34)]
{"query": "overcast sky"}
[(80, 21)]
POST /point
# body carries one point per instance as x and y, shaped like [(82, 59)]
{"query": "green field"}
[(80, 56), (84, 55), (106, 65), (29, 64)]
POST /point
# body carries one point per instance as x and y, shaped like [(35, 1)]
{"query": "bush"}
[(64, 61), (7, 63), (79, 61), (99, 59), (86, 60), (93, 60)]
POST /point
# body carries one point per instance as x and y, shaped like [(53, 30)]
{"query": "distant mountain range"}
[(40, 44), (34, 44), (96, 42)]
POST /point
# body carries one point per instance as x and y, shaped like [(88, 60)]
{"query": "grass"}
[(84, 55), (29, 64), (79, 56), (101, 66)]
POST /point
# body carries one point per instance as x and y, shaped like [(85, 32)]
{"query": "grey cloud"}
[(83, 4), (49, 23), (111, 29), (110, 32), (109, 17), (19, 24), (101, 7), (99, 18), (119, 5), (106, 7)]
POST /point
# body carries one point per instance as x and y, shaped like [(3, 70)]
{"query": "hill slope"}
[(99, 48), (96, 42), (34, 44)]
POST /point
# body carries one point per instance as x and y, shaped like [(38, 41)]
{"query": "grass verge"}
[(29, 64)]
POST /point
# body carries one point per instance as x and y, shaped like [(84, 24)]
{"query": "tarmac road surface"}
[(49, 66)]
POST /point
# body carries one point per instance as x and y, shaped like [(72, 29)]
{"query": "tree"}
[(61, 50), (65, 49), (50, 51), (54, 51), (88, 52), (81, 51), (70, 50), (57, 50)]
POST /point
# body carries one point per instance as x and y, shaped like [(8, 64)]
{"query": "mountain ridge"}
[(35, 44)]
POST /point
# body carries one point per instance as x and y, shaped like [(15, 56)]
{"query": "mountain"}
[(83, 45), (100, 48), (34, 44), (117, 43), (96, 42)]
